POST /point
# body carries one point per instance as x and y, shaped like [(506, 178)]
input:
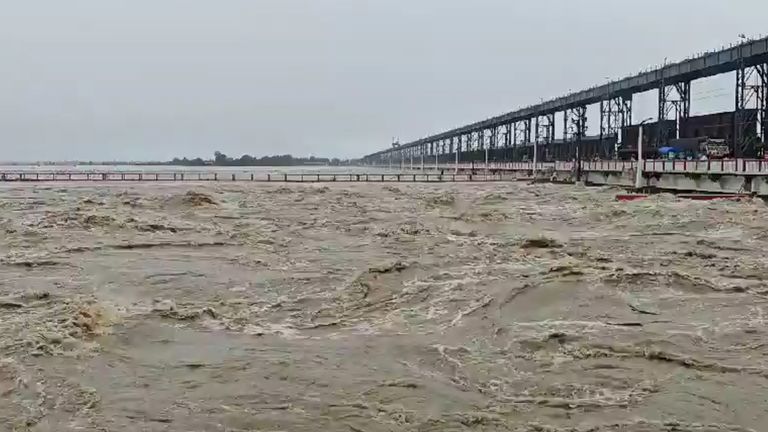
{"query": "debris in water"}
[(441, 199), (540, 243), (198, 199), (643, 311), (93, 319), (163, 305), (10, 303), (566, 270), (396, 266)]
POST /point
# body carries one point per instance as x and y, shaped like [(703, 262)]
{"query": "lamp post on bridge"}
[(457, 149), (536, 143), (639, 169)]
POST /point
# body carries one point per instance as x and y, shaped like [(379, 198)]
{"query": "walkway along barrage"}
[(132, 176), (718, 176)]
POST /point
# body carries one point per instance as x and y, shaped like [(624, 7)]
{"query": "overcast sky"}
[(153, 79)]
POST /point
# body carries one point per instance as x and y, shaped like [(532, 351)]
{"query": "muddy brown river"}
[(373, 308)]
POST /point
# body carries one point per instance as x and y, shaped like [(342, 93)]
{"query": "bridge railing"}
[(715, 166), (608, 165)]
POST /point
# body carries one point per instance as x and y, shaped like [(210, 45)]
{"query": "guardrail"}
[(724, 166), (58, 176), (440, 173)]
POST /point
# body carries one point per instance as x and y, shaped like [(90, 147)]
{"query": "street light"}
[(639, 170)]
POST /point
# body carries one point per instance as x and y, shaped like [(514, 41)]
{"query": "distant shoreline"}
[(219, 160), (211, 165)]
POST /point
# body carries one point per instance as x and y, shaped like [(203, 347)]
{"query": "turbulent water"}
[(483, 307)]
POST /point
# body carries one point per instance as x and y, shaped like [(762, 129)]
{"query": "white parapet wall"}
[(718, 176)]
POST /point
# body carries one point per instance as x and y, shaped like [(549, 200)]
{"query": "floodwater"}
[(372, 308)]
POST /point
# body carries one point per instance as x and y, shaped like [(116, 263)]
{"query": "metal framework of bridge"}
[(533, 127)]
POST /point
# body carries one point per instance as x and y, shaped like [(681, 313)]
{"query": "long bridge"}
[(529, 133)]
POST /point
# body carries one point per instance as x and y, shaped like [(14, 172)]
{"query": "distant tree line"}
[(220, 159)]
